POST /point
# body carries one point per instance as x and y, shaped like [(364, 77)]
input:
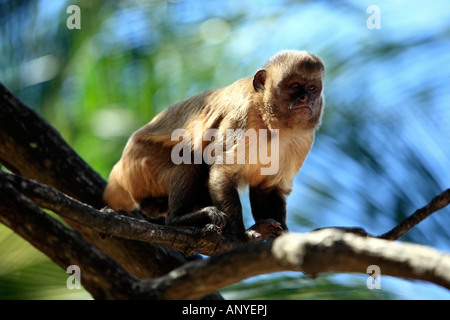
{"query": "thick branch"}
[(31, 147), (316, 252), (321, 251), (102, 276), (327, 250), (188, 240)]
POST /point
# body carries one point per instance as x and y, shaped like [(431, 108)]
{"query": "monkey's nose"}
[(305, 98)]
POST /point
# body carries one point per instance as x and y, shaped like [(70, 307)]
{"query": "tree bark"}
[(30, 147)]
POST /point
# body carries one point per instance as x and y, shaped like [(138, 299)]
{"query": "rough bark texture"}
[(107, 222), (30, 147)]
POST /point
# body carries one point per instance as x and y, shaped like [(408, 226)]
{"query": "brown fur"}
[(261, 102)]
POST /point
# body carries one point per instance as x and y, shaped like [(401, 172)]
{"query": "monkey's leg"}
[(226, 198), (154, 209), (269, 211), (187, 192)]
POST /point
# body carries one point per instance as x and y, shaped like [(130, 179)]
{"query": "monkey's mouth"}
[(303, 108)]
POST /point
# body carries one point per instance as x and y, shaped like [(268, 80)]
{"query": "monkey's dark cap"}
[(300, 61)]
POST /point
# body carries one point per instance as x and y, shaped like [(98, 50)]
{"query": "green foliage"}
[(26, 273), (288, 287)]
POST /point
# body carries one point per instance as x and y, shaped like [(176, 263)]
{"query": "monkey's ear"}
[(259, 80)]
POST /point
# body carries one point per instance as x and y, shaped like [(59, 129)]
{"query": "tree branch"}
[(437, 203), (207, 241), (327, 250), (30, 147), (64, 246), (313, 253)]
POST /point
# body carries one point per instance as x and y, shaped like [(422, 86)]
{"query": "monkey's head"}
[(291, 83)]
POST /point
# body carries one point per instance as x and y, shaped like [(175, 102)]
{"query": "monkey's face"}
[(291, 84), (298, 97), (295, 100)]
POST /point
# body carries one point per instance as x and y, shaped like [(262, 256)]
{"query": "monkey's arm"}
[(269, 211), (225, 197)]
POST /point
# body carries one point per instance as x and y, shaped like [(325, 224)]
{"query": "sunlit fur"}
[(145, 168)]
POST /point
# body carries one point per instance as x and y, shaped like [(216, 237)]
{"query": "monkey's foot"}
[(212, 228), (263, 230), (216, 216)]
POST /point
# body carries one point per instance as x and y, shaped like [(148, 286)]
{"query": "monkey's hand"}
[(216, 216), (263, 230)]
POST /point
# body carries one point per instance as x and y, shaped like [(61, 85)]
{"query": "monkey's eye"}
[(312, 88), (295, 85)]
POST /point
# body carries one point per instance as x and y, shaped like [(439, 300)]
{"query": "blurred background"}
[(382, 152)]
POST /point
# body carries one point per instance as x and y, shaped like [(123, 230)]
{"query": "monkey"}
[(284, 99)]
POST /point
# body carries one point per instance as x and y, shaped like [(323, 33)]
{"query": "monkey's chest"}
[(277, 165)]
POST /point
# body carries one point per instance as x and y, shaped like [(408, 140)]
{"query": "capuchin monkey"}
[(190, 160)]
